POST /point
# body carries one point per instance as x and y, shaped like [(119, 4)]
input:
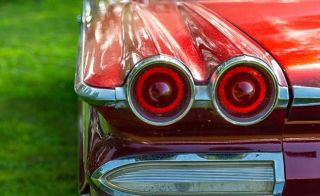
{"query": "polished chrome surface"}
[(229, 164), (168, 61), (306, 96), (283, 97), (202, 97), (280, 97), (118, 97)]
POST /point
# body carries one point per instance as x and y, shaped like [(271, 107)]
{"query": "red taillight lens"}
[(159, 90), (245, 93), (160, 93), (242, 90)]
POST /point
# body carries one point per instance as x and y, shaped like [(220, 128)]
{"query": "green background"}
[(38, 107)]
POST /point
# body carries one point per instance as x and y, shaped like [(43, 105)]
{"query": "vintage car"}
[(203, 97)]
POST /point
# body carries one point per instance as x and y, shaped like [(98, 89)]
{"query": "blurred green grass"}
[(38, 139)]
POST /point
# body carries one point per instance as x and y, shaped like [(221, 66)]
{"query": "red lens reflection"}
[(242, 90), (159, 89)]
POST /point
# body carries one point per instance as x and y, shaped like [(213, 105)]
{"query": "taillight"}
[(160, 90), (244, 90)]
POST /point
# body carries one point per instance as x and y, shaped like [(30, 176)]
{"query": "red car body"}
[(203, 36)]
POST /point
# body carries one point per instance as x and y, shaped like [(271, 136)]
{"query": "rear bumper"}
[(300, 160)]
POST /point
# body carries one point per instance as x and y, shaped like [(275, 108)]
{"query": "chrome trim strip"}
[(112, 97), (96, 96), (202, 93), (121, 94), (276, 158), (283, 97), (303, 96), (168, 61), (280, 98), (202, 97), (306, 96)]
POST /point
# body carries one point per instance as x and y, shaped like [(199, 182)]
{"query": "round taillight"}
[(161, 91), (244, 92)]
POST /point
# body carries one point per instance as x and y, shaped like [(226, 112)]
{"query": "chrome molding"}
[(202, 97), (167, 61), (306, 96), (117, 97), (275, 158), (102, 97), (280, 99), (283, 97)]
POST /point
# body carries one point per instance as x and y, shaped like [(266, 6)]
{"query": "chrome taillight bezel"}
[(165, 61), (257, 64)]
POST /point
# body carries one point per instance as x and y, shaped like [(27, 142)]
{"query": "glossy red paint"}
[(310, 114), (290, 31), (301, 146), (198, 37)]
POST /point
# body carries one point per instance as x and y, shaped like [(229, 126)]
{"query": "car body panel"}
[(291, 33), (288, 30), (201, 39)]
